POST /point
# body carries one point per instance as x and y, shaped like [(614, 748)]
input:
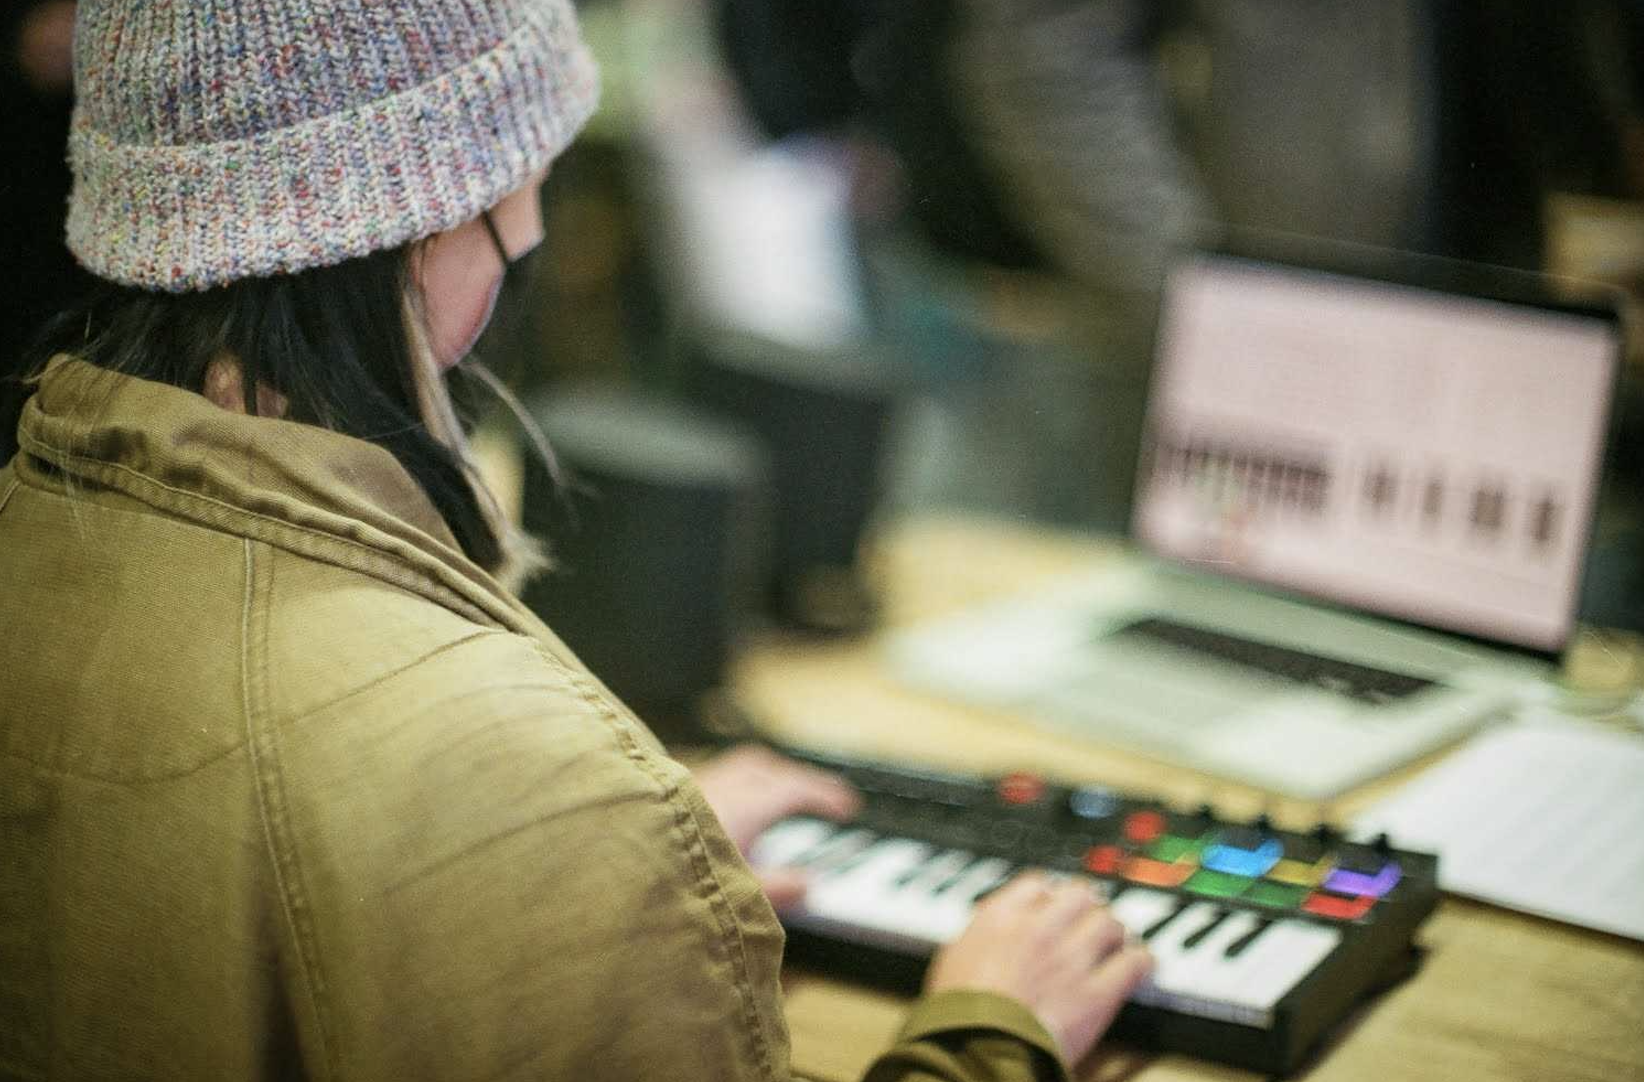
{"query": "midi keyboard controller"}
[(1263, 939)]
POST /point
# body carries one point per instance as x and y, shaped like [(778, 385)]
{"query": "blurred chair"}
[(823, 415), (660, 540)]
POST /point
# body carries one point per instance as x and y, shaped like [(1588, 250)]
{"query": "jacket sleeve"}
[(486, 869), (969, 1037)]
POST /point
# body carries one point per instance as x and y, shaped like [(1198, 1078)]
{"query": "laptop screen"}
[(1424, 455)]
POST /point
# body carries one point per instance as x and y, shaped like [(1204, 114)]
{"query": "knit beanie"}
[(215, 140)]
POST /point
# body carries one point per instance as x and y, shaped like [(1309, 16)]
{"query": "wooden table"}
[(1501, 996)]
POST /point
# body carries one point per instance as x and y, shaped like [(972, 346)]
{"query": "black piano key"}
[(1157, 926), (953, 877), (1010, 873), (814, 850), (840, 867), (1209, 926), (827, 855), (1239, 945), (913, 872)]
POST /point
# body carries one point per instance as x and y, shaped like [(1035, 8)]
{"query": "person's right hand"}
[(1054, 948)]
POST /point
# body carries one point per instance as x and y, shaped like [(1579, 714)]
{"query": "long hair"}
[(343, 346)]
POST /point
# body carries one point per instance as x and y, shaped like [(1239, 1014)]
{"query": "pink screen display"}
[(1422, 455)]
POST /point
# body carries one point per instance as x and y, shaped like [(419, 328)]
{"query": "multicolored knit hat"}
[(222, 139)]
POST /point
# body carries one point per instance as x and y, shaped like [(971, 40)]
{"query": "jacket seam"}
[(5, 497), (686, 826), (383, 563), (126, 780), (394, 674), (270, 787)]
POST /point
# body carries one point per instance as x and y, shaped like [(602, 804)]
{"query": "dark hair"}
[(332, 340)]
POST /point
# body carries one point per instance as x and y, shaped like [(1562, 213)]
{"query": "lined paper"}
[(1545, 815)]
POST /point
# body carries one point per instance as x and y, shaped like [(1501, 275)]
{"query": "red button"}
[(1021, 788), (1102, 859), (1332, 905), (1144, 826)]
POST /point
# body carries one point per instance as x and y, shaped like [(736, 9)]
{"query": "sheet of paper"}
[(1545, 815)]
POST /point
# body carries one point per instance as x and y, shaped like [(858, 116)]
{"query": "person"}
[(291, 784)]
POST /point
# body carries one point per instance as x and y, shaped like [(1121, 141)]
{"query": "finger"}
[(785, 887), (1068, 902), (1022, 892), (818, 778), (800, 791), (1112, 981), (1098, 934)]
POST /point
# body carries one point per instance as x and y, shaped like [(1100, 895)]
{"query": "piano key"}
[(1167, 944), (846, 865), (909, 903), (787, 840), (1208, 970), (1206, 928), (1173, 961), (939, 869), (978, 879), (840, 847), (1242, 980), (1168, 940), (951, 909), (1182, 906), (863, 897), (1245, 988), (1238, 946), (872, 870), (1140, 908), (1280, 958)]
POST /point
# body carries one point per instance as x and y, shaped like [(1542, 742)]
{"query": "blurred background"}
[(816, 267)]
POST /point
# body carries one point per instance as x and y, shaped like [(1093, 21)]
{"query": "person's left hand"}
[(750, 788)]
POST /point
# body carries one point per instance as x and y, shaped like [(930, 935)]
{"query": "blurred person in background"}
[(294, 786), (1079, 143), (36, 87)]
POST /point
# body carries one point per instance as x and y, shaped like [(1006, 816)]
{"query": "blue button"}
[(1235, 861), (1093, 802)]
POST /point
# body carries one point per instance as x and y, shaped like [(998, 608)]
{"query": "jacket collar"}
[(319, 493)]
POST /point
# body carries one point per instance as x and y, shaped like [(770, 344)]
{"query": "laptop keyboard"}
[(1359, 682)]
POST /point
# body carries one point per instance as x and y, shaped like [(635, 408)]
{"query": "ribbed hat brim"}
[(338, 186)]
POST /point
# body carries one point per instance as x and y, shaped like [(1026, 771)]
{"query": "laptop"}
[(1362, 514)]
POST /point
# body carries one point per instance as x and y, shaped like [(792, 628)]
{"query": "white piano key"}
[(938, 870), (859, 903), (1139, 908), (837, 849), (1228, 980), (863, 891), (951, 908), (1280, 958), (1205, 968), (1166, 943), (787, 840), (1169, 956), (908, 907)]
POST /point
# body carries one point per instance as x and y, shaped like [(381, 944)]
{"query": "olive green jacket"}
[(289, 788)]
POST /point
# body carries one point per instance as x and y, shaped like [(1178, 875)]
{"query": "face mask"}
[(506, 340)]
